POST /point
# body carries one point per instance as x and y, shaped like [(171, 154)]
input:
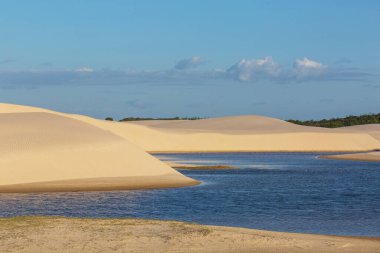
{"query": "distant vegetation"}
[(138, 118), (341, 122), (329, 123)]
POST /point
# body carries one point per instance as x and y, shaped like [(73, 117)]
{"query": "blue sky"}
[(286, 59)]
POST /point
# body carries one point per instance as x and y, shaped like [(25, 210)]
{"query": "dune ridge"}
[(239, 134), (245, 133)]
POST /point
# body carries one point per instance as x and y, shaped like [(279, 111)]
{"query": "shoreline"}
[(61, 234), (103, 184), (258, 151), (360, 156), (373, 156)]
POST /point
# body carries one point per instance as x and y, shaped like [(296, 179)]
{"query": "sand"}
[(53, 235), (45, 151), (232, 134), (240, 134), (368, 156), (371, 129)]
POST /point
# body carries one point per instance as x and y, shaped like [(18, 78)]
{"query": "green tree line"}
[(139, 118), (341, 122)]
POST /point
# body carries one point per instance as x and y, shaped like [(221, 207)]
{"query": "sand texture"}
[(45, 151), (51, 235)]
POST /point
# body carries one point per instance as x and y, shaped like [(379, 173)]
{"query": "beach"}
[(58, 234)]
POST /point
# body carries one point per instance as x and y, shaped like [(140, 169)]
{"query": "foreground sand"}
[(368, 157), (46, 235)]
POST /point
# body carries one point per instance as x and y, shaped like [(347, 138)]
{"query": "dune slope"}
[(241, 133), (43, 151), (372, 129)]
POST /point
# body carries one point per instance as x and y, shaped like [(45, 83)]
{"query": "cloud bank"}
[(246, 70)]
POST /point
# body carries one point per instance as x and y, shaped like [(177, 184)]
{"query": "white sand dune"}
[(234, 133), (224, 124), (372, 129), (240, 133), (45, 151)]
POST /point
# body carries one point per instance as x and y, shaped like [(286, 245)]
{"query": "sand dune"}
[(372, 129), (244, 123), (241, 133), (235, 133), (44, 151), (47, 235)]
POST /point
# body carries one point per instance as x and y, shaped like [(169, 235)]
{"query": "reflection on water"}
[(273, 191)]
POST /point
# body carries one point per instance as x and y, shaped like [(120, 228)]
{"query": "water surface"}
[(273, 191)]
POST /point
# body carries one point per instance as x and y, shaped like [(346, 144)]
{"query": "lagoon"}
[(290, 192)]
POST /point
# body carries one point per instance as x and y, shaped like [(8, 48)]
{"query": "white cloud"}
[(253, 70), (84, 70), (189, 63), (306, 63), (305, 69)]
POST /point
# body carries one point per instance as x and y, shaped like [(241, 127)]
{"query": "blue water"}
[(272, 191)]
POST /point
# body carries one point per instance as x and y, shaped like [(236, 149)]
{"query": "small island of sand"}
[(367, 156)]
